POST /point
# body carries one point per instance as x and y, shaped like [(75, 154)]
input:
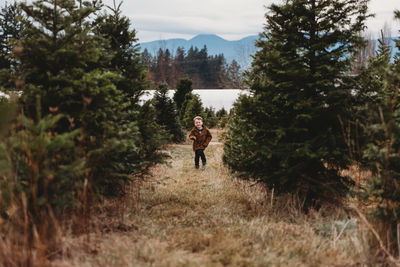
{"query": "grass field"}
[(187, 217)]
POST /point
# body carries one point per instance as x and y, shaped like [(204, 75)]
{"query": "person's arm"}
[(208, 138), (192, 136)]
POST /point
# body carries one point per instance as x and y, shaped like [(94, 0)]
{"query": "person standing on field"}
[(201, 137)]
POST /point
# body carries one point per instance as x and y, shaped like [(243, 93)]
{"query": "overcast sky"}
[(230, 19)]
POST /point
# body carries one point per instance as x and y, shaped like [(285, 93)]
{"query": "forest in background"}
[(206, 71)]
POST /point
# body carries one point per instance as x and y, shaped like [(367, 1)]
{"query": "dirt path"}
[(188, 217)]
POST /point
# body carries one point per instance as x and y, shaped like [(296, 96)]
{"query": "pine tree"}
[(372, 88), (220, 113), (10, 33), (94, 75), (168, 66), (159, 66), (57, 58), (178, 65), (371, 92), (203, 68), (167, 115), (41, 176), (188, 98), (183, 88), (124, 50), (223, 117), (380, 120), (291, 135), (234, 76), (194, 108), (210, 117), (10, 29), (132, 150), (147, 58), (206, 71)]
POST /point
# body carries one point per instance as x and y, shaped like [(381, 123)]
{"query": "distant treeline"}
[(206, 71)]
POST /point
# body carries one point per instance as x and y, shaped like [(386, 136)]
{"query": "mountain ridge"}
[(239, 50)]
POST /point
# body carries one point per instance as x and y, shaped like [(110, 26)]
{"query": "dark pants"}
[(199, 153)]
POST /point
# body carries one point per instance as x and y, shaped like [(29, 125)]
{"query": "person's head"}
[(198, 122)]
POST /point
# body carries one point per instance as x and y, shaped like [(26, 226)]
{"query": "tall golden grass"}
[(188, 217)]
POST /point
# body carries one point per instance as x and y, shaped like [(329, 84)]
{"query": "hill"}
[(239, 50)]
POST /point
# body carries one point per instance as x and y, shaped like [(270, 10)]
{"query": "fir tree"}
[(132, 150), (373, 88), (95, 76), (147, 57), (220, 113), (167, 115), (58, 52), (205, 70), (10, 29), (291, 137), (210, 117), (194, 108), (233, 73), (178, 65), (10, 33), (188, 98), (124, 49), (380, 146), (223, 117), (183, 88)]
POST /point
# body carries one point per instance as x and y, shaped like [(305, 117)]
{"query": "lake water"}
[(215, 98)]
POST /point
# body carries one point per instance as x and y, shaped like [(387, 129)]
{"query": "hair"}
[(198, 118)]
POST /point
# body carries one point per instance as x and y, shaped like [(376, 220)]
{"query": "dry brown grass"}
[(188, 217)]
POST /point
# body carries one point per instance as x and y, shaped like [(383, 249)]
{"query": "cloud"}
[(189, 17), (193, 25), (235, 18)]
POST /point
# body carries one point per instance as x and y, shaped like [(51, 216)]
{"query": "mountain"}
[(239, 50)]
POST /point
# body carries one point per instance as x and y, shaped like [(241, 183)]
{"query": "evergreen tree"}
[(178, 65), (188, 98), (131, 150), (10, 29), (194, 108), (94, 75), (373, 87), (217, 72), (223, 117), (55, 63), (191, 62), (243, 149), (10, 33), (290, 136), (205, 71), (63, 64), (210, 117), (160, 70), (124, 50), (183, 88), (147, 57), (220, 113), (379, 114), (203, 68), (168, 66), (234, 75), (167, 115)]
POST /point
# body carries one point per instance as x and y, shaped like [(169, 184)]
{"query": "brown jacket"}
[(200, 140)]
